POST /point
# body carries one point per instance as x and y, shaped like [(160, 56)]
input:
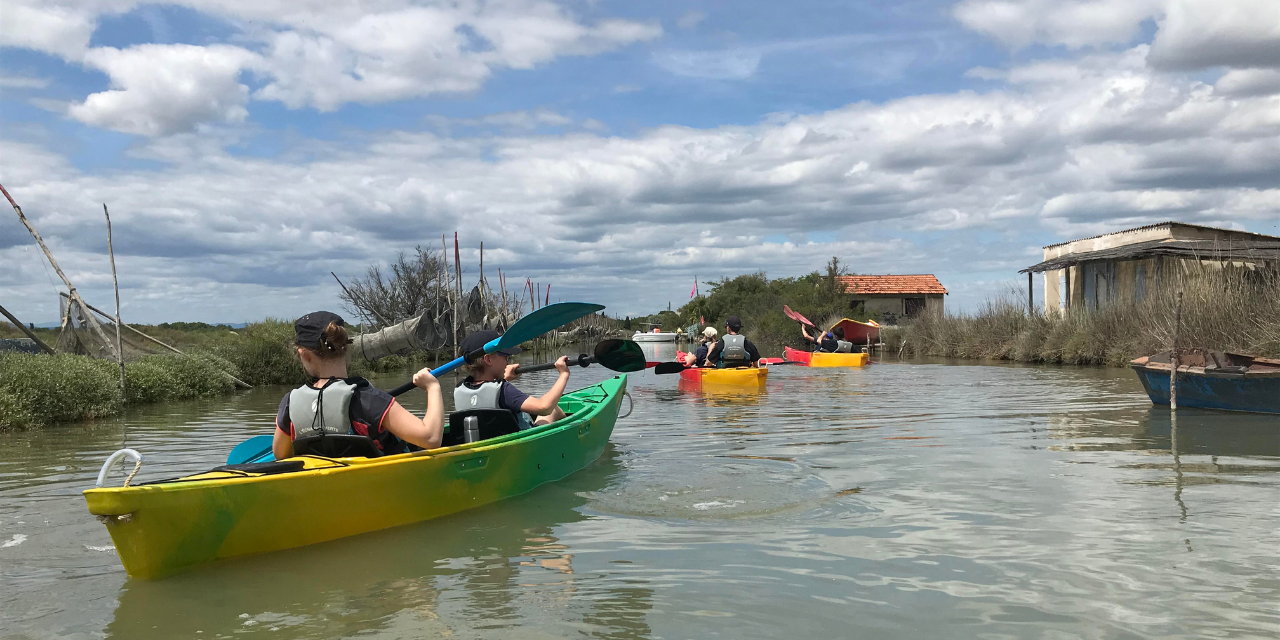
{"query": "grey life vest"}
[(844, 346), (734, 351), (323, 411), (485, 397)]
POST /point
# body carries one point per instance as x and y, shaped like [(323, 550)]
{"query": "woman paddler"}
[(333, 403)]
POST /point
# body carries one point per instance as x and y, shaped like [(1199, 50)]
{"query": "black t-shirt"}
[(752, 353), (828, 343), (509, 397), (369, 406)]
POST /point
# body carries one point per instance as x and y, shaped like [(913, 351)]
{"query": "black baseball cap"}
[(478, 339), (733, 322), (308, 331)]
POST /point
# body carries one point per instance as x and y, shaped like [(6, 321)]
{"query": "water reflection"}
[(498, 567)]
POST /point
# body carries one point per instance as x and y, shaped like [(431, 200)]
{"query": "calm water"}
[(903, 500)]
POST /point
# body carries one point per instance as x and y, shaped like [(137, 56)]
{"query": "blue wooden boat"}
[(1213, 380)]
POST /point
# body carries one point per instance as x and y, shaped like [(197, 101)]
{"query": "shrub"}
[(40, 389)]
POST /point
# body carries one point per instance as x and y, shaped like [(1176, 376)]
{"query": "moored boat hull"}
[(164, 528), (814, 359), (859, 333), (1214, 380)]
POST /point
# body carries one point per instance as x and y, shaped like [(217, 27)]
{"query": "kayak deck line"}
[(165, 527)]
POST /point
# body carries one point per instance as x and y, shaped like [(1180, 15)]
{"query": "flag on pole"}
[(694, 292)]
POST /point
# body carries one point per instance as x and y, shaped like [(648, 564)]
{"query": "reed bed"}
[(1224, 309)]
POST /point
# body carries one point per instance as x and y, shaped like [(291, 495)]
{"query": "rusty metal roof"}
[(1247, 250), (892, 285), (1168, 223)]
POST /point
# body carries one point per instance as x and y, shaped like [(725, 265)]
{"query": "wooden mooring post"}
[(1173, 356)]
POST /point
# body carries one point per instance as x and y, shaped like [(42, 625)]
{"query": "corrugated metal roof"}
[(1167, 223), (890, 284), (1245, 250)]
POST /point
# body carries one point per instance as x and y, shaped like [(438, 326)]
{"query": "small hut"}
[(895, 296), (1091, 272)]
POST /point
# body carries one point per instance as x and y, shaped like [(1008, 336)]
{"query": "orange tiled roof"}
[(891, 285)]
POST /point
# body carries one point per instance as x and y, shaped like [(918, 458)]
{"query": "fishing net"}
[(87, 335)]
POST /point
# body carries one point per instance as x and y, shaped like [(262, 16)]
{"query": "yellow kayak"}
[(738, 377), (814, 359)]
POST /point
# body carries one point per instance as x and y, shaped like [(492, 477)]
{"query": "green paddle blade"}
[(542, 321), (620, 355)]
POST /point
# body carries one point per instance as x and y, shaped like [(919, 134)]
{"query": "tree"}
[(416, 283)]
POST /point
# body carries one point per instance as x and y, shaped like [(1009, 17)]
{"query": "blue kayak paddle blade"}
[(548, 318), (250, 450)]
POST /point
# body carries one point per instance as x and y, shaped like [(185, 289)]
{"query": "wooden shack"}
[(1126, 265)]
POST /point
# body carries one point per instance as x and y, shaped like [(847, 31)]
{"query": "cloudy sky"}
[(613, 149)]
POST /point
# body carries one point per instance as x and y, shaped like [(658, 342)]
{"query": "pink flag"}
[(695, 288)]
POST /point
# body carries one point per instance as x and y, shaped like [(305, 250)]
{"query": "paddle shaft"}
[(583, 360)]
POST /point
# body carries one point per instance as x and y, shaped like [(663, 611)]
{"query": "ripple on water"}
[(718, 491)]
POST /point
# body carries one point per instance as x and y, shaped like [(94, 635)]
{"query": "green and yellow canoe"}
[(165, 527)]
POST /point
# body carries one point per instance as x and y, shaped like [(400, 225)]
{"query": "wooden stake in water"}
[(115, 283), (1173, 356)]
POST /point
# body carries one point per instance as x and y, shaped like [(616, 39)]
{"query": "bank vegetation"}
[(1223, 309)]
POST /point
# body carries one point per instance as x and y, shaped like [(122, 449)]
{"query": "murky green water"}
[(916, 500)]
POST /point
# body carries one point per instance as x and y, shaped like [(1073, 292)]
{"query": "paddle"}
[(786, 311), (524, 329), (614, 354)]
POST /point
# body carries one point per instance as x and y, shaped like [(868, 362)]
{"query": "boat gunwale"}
[(355, 464)]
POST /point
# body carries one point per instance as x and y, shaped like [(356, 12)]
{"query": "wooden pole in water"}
[(115, 284), (1031, 305), (1173, 357), (18, 323)]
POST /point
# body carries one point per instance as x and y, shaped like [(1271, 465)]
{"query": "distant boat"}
[(654, 334), (655, 337), (1214, 380)]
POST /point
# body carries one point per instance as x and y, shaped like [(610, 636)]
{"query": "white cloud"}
[(165, 89), (313, 54), (23, 82), (1197, 34), (691, 19), (1105, 144), (731, 64), (1073, 23), (54, 29), (1249, 82)]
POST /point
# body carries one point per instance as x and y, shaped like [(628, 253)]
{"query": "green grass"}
[(38, 390)]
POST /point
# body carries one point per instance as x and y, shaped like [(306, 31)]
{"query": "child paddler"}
[(490, 385), (699, 356), (333, 403), (734, 349)]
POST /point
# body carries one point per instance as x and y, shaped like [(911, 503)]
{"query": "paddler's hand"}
[(562, 365), (512, 373), (424, 380)]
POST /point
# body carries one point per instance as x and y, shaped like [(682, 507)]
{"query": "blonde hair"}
[(710, 332)]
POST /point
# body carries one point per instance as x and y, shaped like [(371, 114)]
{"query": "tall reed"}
[(1223, 308)]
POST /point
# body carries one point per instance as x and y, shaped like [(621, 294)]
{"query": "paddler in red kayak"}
[(334, 404), (490, 385), (830, 342), (734, 349)]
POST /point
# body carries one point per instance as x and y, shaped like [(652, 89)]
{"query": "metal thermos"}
[(471, 428)]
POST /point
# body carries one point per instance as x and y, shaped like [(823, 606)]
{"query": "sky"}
[(615, 150)]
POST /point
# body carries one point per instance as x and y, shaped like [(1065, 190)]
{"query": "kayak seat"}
[(336, 446), (492, 424)]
